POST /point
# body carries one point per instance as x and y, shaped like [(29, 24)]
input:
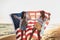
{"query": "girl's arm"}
[(17, 17), (47, 20)]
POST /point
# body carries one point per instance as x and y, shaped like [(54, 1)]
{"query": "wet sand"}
[(8, 37)]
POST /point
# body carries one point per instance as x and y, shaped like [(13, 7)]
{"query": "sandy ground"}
[(52, 34), (8, 37)]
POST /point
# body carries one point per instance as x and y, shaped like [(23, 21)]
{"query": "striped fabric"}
[(30, 28), (25, 35)]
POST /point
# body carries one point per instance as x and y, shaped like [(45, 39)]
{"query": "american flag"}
[(25, 35)]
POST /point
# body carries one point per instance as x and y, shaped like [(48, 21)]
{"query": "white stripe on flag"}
[(17, 29), (30, 31), (30, 24), (35, 34), (32, 13), (30, 27), (18, 38), (24, 36), (19, 33)]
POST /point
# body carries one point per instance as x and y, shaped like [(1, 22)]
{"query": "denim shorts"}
[(23, 27)]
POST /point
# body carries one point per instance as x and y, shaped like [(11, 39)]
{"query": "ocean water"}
[(6, 29)]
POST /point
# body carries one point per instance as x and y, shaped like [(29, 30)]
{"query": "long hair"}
[(42, 14), (22, 16)]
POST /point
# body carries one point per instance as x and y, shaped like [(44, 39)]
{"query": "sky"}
[(8, 7)]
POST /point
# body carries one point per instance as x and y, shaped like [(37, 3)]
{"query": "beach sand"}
[(8, 37)]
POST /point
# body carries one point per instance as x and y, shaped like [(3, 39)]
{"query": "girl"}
[(22, 19)]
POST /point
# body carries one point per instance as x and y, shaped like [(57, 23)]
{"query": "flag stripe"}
[(29, 28)]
